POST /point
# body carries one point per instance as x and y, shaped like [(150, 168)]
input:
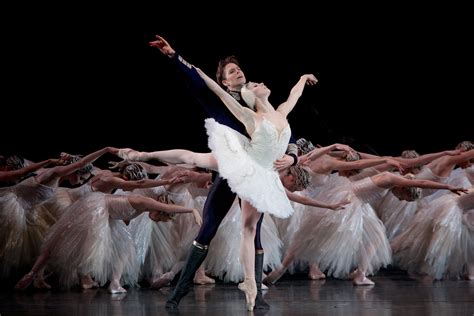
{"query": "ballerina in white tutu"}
[(13, 168), (439, 242), (320, 165)]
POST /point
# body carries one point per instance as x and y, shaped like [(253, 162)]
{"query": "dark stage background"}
[(380, 77)]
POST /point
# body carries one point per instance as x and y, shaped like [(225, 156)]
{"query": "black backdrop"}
[(380, 77)]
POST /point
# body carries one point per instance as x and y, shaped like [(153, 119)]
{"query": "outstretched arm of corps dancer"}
[(312, 202), (389, 180), (12, 175), (318, 152), (146, 204), (59, 171)]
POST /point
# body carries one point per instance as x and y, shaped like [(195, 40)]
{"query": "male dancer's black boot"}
[(196, 256), (259, 301)]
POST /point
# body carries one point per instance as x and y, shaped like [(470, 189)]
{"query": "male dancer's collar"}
[(235, 94)]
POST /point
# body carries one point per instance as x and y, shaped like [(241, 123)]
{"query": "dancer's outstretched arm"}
[(243, 114), (286, 107), (390, 179), (312, 202), (318, 152), (17, 174), (146, 204)]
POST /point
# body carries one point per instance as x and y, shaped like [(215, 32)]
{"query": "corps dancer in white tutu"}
[(196, 195), (162, 246), (223, 259), (439, 243), (320, 165), (396, 213), (464, 175), (439, 170), (246, 164), (22, 228), (13, 168)]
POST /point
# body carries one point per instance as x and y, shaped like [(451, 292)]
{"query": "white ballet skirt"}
[(440, 240), (184, 225), (290, 228), (396, 214), (91, 237), (247, 165), (53, 208), (349, 238), (155, 241), (470, 174), (223, 258), (460, 177), (431, 194), (22, 228), (161, 245)]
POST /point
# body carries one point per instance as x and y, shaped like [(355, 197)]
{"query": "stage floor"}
[(393, 294)]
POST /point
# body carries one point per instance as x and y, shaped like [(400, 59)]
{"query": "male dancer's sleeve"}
[(205, 97), (292, 150)]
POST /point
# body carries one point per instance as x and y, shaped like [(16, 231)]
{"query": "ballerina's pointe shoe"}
[(249, 287), (25, 281)]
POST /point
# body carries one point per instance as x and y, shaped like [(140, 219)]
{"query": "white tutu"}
[(22, 228), (53, 208), (292, 229), (223, 259), (431, 194), (349, 238), (156, 242), (91, 237), (247, 165), (440, 240), (396, 214)]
